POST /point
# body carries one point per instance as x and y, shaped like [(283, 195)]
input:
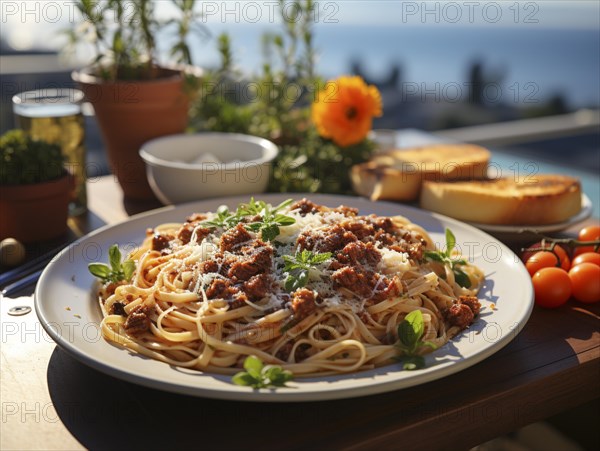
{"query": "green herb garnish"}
[(268, 225), (117, 271), (410, 332), (445, 257), (224, 219), (271, 219), (299, 265), (258, 375)]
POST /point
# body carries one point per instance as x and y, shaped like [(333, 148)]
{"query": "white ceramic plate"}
[(66, 306), (584, 213)]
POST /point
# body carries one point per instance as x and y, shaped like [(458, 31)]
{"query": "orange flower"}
[(343, 111)]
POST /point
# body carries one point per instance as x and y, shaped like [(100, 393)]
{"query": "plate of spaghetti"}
[(349, 296)]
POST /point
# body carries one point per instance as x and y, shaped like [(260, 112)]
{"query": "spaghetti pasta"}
[(314, 289)]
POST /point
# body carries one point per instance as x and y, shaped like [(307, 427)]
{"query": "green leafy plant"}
[(258, 375), (268, 225), (276, 105), (124, 33), (223, 219), (24, 160), (410, 332), (271, 220), (299, 265), (446, 258), (117, 271)]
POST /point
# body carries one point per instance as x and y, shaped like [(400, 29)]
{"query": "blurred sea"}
[(529, 64)]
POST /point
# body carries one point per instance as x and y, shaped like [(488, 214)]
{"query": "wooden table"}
[(51, 401)]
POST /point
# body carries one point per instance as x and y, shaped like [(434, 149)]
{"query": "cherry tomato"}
[(585, 281), (565, 261), (552, 287), (541, 260), (586, 257), (589, 233)]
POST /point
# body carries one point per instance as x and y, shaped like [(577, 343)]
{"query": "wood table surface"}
[(52, 401)]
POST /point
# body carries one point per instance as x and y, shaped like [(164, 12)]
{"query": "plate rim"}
[(266, 395), (585, 212)]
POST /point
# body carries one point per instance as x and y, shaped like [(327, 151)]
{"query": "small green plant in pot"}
[(136, 98), (35, 187), (321, 127)]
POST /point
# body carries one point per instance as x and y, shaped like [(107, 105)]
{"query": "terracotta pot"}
[(35, 212), (131, 113)]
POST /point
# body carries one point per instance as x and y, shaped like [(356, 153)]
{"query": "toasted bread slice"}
[(534, 200), (399, 174)]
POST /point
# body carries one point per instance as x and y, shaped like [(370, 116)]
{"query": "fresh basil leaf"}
[(415, 318), (252, 208), (282, 205), (297, 278), (211, 223), (253, 366), (290, 284), (273, 373), (254, 226), (114, 257), (244, 379), (303, 278), (299, 265), (406, 336), (258, 375), (450, 242), (277, 376), (128, 269), (99, 270), (462, 278), (270, 232), (321, 258), (223, 219), (283, 220), (435, 256), (413, 362), (289, 260), (411, 329), (428, 343)]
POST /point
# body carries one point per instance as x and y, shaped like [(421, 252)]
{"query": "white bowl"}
[(176, 176)]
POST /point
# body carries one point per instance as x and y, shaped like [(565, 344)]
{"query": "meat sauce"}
[(243, 265)]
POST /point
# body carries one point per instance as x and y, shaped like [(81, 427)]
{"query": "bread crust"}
[(535, 200), (399, 174)]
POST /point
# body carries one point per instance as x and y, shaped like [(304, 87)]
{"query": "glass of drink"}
[(54, 115), (385, 140)]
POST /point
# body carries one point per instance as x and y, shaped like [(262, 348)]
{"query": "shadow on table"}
[(133, 207), (104, 412)]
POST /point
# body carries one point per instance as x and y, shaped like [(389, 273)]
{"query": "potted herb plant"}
[(134, 97), (321, 127), (35, 188)]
